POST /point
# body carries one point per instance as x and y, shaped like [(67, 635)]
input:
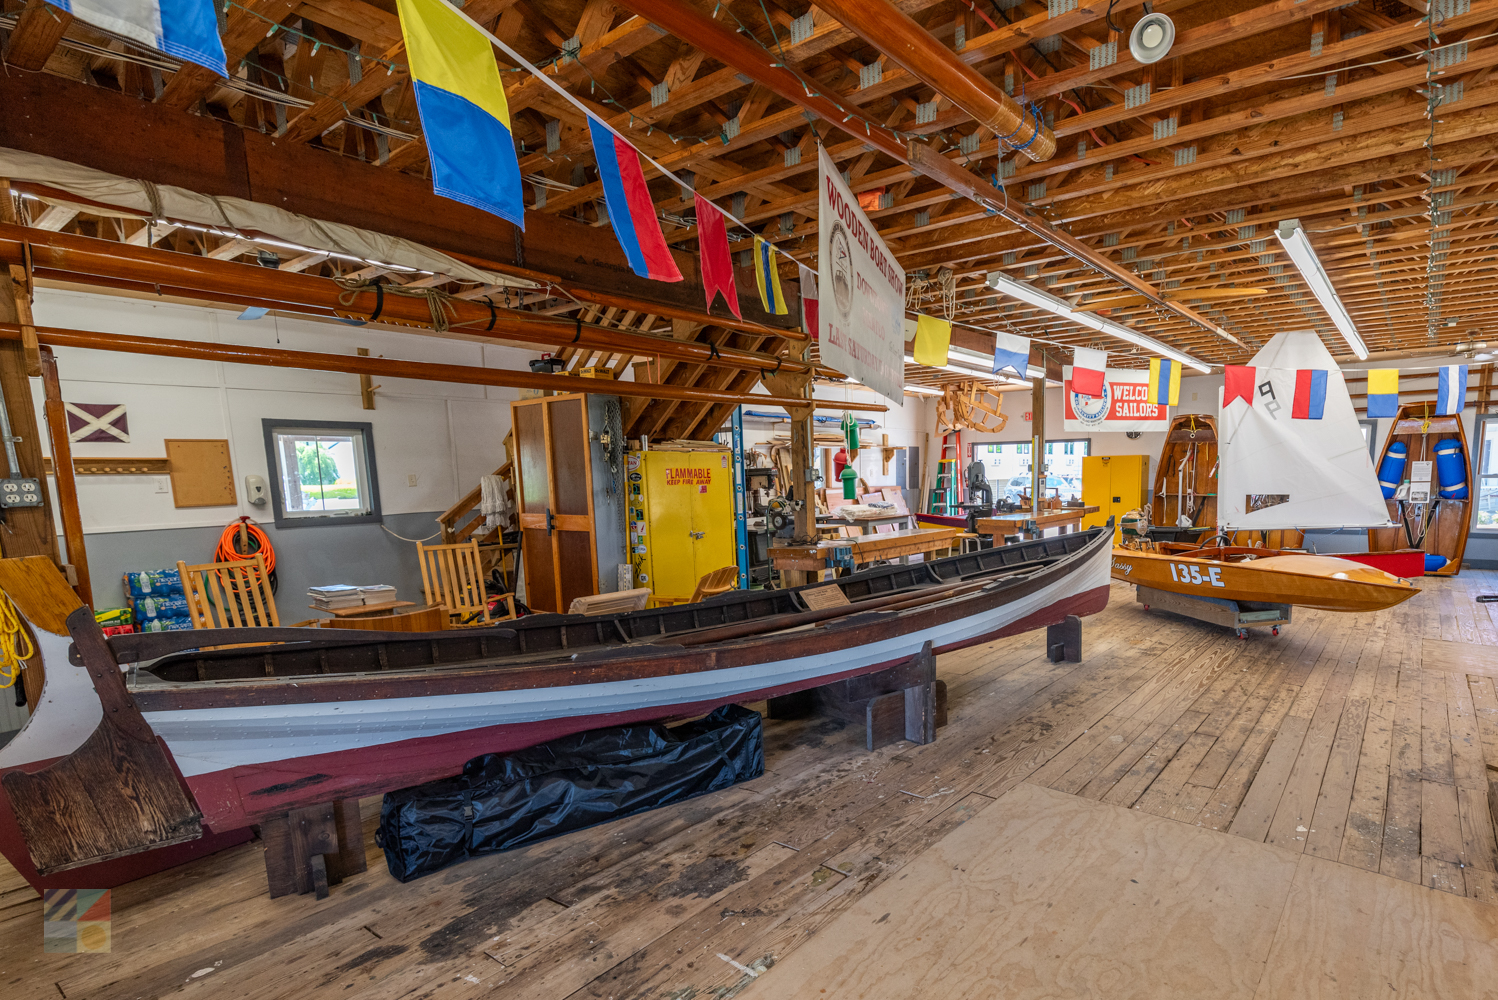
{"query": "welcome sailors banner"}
[(1124, 405), (862, 290)]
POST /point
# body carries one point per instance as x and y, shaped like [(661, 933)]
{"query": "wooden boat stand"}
[(312, 848), (1240, 616), (904, 702)]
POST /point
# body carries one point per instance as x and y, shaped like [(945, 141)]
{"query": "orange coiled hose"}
[(228, 544)]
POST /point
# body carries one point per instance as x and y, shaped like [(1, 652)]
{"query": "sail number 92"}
[(1199, 575)]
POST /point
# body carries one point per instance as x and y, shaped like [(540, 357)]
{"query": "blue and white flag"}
[(1011, 353), (183, 29), (1451, 392)]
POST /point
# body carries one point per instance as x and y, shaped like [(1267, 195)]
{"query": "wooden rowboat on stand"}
[(1436, 526), (223, 737)]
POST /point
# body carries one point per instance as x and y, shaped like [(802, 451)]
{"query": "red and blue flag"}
[(1310, 394), (631, 212)]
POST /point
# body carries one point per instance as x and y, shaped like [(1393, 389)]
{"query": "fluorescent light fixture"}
[(921, 390), (1041, 300), (1293, 239)]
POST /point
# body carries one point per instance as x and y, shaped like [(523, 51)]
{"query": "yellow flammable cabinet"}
[(1114, 484), (680, 518)]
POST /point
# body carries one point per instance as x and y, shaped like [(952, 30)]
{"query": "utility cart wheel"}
[(1146, 607), (1243, 633), (1275, 630)]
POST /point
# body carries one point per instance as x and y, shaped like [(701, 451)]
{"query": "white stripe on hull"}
[(214, 739), (67, 714)]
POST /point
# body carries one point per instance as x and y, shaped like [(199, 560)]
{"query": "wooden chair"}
[(452, 578), (719, 581), (229, 594)]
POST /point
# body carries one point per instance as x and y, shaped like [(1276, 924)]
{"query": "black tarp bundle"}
[(504, 801)]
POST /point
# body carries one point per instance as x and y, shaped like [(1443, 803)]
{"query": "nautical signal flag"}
[(716, 261), (933, 341), (1383, 392), (183, 29), (1087, 368), (1011, 353), (465, 118), (1165, 382), (1451, 390), (811, 303), (1238, 383), (631, 210), (1310, 394), (767, 279)]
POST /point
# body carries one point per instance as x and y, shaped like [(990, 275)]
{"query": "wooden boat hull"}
[(250, 748), (1307, 581), (1420, 429)]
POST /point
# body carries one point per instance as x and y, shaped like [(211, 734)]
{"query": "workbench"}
[(865, 548), (866, 525), (1064, 519)]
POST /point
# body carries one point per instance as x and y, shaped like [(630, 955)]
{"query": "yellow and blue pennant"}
[(767, 279), (464, 115), (1165, 382)]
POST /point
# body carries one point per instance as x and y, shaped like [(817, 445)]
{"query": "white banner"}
[(1124, 405), (862, 314)]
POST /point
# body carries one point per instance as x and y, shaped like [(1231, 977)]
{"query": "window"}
[(1370, 437), (1008, 467), (1486, 466), (321, 472)]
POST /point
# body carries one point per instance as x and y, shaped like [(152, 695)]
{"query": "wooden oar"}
[(118, 793)]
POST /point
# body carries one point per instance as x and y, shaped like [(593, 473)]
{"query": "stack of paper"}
[(335, 596), (380, 593)]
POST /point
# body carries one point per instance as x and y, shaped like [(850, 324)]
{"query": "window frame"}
[(1486, 423), (1372, 424), (272, 427)]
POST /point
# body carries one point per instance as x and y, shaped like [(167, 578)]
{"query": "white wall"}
[(443, 435)]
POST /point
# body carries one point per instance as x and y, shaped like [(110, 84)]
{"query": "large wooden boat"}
[(325, 714), (1439, 526), (1244, 573)]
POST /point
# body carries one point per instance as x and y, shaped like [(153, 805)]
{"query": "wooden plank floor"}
[(1362, 741)]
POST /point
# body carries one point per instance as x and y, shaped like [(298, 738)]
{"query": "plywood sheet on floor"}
[(1044, 894)]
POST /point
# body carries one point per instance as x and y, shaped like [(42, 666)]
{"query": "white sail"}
[(1312, 473)]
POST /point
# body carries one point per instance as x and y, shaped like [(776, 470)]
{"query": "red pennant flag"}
[(717, 263), (1238, 383)]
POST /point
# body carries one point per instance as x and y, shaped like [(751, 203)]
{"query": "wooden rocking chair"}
[(452, 578), (229, 594)]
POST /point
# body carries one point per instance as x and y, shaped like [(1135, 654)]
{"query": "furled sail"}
[(1284, 471)]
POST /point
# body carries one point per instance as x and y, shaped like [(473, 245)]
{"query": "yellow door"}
[(712, 513), (1114, 484)]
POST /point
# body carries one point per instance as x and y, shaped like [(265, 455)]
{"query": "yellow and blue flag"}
[(767, 279), (1165, 382), (1383, 392), (465, 118)]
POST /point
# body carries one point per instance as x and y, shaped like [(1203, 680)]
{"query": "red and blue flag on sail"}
[(1310, 394), (631, 212)]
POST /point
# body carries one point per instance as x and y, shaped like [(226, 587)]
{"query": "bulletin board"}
[(202, 475)]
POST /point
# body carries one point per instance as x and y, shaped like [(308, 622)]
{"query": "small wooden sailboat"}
[(270, 720), (1437, 526), (1245, 573), (1275, 475), (1184, 502)]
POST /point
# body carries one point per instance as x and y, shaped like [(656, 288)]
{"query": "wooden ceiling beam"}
[(37, 32)]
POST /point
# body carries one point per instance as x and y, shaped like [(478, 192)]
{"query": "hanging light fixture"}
[(1293, 238), (1029, 293)]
